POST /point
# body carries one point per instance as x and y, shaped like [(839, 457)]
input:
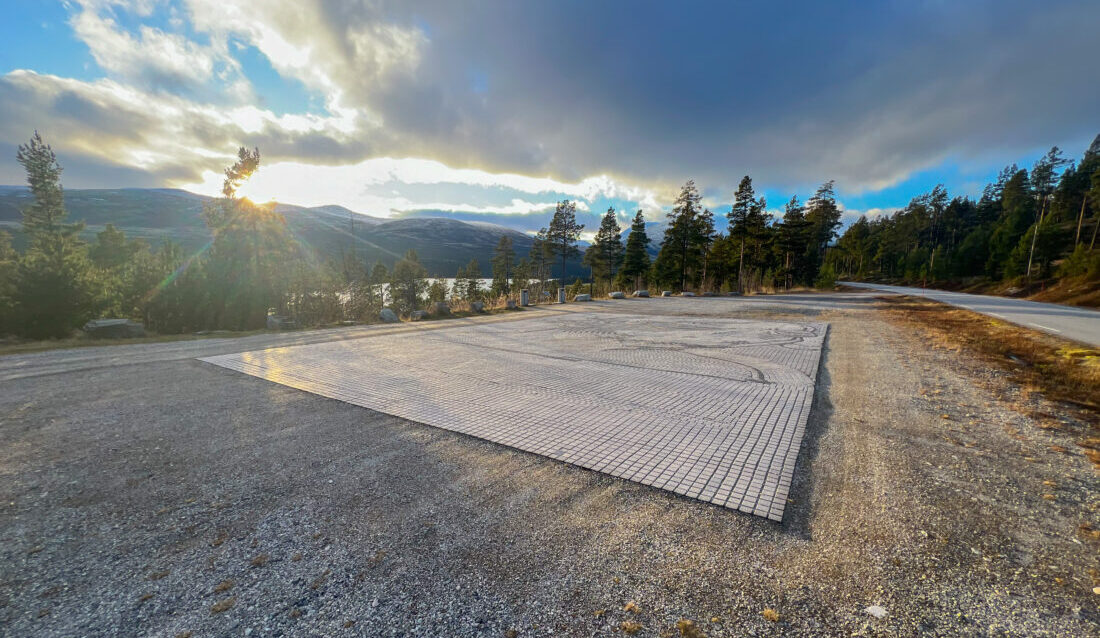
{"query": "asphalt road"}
[(1079, 324)]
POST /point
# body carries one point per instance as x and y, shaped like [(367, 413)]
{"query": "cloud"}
[(548, 100)]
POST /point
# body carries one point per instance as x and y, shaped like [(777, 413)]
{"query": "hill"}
[(158, 214)]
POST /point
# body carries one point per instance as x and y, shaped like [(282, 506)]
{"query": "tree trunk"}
[(741, 269), (1033, 236), (1080, 220)]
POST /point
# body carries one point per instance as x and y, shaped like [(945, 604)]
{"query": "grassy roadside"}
[(1059, 369)]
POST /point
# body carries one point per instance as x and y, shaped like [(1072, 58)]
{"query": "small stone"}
[(388, 316), (876, 611), (117, 328), (618, 294)]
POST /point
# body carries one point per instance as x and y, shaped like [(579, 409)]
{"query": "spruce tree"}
[(636, 256), (563, 232), (55, 288), (606, 253), (504, 256)]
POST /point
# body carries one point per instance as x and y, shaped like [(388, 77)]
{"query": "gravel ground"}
[(143, 495)]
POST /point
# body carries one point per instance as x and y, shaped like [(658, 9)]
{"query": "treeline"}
[(755, 251), (1027, 226), (251, 268)]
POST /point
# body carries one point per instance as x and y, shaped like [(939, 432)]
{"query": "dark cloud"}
[(863, 92)]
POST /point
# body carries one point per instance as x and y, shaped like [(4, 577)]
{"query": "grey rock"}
[(708, 294), (583, 297), (510, 304), (389, 316), (280, 322), (666, 293), (441, 308), (687, 293), (641, 293), (417, 315), (733, 293), (477, 306), (114, 329), (617, 295)]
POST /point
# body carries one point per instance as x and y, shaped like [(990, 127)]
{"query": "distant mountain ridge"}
[(155, 214)]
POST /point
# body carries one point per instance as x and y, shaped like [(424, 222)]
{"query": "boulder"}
[(618, 294), (687, 293), (441, 308), (279, 322), (388, 316), (666, 293), (114, 329), (477, 306), (510, 304), (641, 293), (708, 294), (733, 293), (583, 297), (417, 315)]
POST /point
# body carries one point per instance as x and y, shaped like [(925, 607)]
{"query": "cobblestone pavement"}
[(710, 408)]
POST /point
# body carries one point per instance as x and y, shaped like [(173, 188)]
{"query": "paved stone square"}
[(710, 408)]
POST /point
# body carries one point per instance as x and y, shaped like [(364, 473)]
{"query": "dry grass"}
[(689, 629), (1058, 369), (224, 586), (223, 605)]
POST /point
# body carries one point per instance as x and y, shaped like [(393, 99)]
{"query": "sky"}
[(496, 110)]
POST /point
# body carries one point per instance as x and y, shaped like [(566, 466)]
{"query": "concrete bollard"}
[(524, 297), (561, 295)]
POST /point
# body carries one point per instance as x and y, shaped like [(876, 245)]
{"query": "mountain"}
[(156, 214)]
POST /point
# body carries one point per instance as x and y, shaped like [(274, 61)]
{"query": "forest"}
[(1038, 225)]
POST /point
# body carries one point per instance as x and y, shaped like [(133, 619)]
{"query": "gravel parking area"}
[(713, 409), (163, 496)]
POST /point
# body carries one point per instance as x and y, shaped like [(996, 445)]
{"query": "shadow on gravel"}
[(797, 516)]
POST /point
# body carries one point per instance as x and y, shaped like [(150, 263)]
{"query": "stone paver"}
[(710, 408)]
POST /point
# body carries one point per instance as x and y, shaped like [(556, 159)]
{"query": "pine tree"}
[(563, 232), (408, 283), (472, 285), (682, 243), (245, 269), (605, 256), (636, 256), (504, 256), (55, 288), (823, 217)]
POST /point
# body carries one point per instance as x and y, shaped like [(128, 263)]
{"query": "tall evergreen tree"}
[(606, 253), (408, 283), (747, 222), (823, 217), (504, 256), (245, 268), (55, 288), (636, 255), (563, 233), (682, 242)]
